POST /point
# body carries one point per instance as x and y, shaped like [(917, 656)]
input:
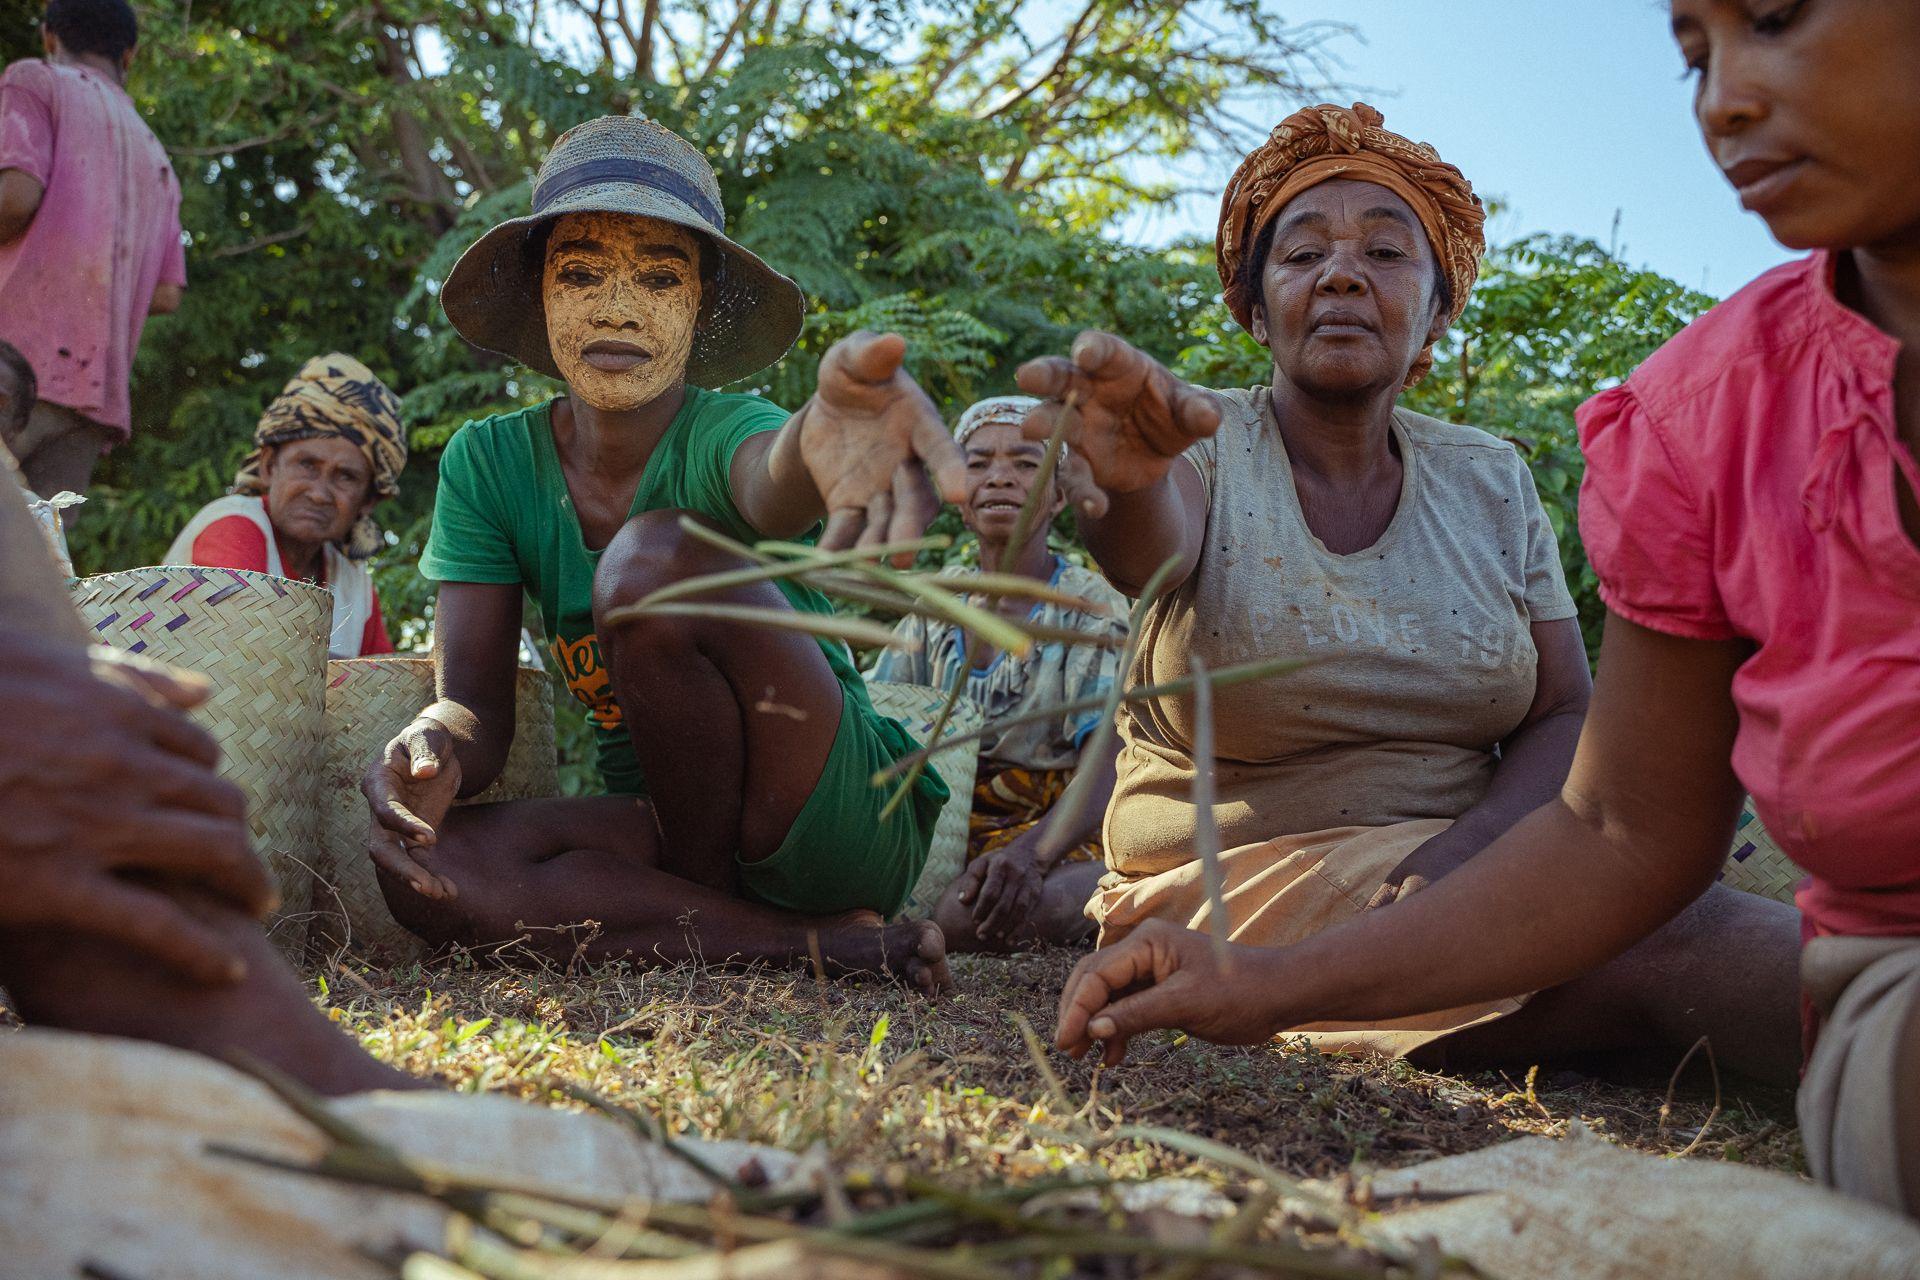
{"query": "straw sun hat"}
[(749, 313)]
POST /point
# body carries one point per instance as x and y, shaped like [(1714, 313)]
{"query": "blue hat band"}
[(625, 169)]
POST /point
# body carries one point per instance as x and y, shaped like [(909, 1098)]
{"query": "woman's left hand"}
[(1001, 890), (1440, 855), (869, 438)]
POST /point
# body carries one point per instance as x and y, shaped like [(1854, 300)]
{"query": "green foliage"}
[(1553, 320)]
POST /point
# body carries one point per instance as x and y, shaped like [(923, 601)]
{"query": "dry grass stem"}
[(1241, 674), (1206, 833), (770, 569), (834, 626), (984, 625), (1666, 1107)]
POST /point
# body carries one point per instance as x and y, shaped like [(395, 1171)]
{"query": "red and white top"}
[(1741, 484), (234, 533)]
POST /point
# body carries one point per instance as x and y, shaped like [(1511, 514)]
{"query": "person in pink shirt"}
[(1752, 508), (90, 241)]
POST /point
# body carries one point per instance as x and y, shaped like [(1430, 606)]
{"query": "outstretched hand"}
[(1157, 977), (1128, 417), (870, 438)]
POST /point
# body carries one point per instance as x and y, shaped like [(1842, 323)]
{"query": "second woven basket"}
[(261, 640), (368, 701), (1757, 865)]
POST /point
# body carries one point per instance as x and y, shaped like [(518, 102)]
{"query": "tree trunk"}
[(427, 182), (643, 49)]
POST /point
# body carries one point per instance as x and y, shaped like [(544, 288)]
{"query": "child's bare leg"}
[(733, 724)]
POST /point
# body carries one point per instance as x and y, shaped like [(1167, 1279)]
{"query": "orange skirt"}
[(1282, 891), (1009, 802)]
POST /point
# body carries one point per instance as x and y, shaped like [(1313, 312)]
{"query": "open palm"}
[(1129, 418), (870, 439)]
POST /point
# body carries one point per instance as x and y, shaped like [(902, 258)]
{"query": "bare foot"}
[(913, 951)]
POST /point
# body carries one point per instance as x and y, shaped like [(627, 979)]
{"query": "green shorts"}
[(839, 855)]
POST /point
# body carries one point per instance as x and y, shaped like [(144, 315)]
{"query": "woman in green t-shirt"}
[(741, 822)]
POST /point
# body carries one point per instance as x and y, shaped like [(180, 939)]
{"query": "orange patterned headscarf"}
[(1318, 144)]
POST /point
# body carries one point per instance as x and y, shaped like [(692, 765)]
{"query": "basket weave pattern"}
[(916, 706), (368, 701), (1757, 865), (260, 640)]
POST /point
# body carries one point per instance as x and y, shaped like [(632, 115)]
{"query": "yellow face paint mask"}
[(622, 294)]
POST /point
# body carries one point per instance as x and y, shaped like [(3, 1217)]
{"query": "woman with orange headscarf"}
[(1408, 565)]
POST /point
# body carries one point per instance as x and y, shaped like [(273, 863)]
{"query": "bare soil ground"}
[(885, 1079)]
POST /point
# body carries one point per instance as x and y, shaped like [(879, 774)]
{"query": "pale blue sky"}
[(1565, 110)]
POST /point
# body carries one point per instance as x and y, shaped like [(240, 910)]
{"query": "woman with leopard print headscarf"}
[(327, 449)]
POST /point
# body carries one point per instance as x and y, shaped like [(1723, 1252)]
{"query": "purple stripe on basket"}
[(178, 622), (199, 580), (224, 592), (159, 584), (140, 621), (138, 646), (1740, 854), (277, 588), (106, 622)]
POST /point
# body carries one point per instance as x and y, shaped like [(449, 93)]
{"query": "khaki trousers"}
[(1867, 991), (1283, 890)]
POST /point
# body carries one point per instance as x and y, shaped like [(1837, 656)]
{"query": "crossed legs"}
[(733, 725)]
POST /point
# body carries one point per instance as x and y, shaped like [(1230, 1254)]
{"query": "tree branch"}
[(676, 52), (1069, 45), (278, 237), (643, 46), (721, 50), (263, 140)]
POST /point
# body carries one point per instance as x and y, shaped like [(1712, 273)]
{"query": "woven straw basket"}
[(368, 701), (916, 706), (261, 640), (1756, 863)]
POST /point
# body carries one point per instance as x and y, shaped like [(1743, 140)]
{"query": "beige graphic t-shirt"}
[(1419, 658)]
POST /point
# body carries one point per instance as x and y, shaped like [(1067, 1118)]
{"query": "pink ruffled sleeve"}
[(1646, 532)]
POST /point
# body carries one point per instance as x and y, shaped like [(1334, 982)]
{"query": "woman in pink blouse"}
[(1752, 507)]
